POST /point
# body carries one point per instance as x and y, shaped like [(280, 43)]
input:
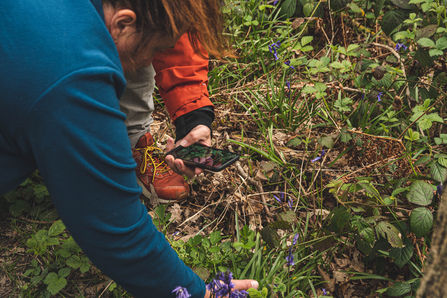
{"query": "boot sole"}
[(149, 195)]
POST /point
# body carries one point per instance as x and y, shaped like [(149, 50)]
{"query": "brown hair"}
[(201, 18)]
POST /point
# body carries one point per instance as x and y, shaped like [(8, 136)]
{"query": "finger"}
[(170, 144), (245, 284), (170, 162), (181, 168)]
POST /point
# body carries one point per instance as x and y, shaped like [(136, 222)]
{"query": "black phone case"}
[(202, 166)]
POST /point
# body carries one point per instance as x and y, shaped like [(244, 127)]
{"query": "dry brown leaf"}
[(176, 212), (340, 277)]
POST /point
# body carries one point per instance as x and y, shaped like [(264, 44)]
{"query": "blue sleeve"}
[(76, 134)]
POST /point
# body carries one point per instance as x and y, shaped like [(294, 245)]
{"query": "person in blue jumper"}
[(61, 75)]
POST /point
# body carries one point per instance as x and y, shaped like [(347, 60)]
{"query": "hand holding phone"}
[(204, 157)]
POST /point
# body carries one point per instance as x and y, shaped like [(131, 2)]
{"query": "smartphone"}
[(205, 157)]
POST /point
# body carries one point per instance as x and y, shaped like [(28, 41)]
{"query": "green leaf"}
[(215, 237), (435, 52), (345, 137), (309, 89), (281, 224), (56, 228), (405, 4), (425, 32), (327, 142), (19, 207), (388, 231), (438, 172), (421, 193), (336, 64), (74, 262), (288, 216), (378, 8), (398, 289), (423, 57), (56, 285), (425, 123), (270, 236), (355, 8), (392, 20), (342, 104), (288, 8), (441, 43), (421, 221), (422, 160), (308, 9), (202, 272), (50, 278), (339, 4), (352, 47), (64, 272), (442, 161), (41, 190), (306, 39), (295, 142), (320, 87), (402, 255), (426, 42)]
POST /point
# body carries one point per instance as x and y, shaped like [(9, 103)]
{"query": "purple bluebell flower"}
[(181, 292), (324, 292), (273, 47), (291, 204), (277, 199), (315, 159), (288, 85), (379, 95), (218, 288), (239, 294), (399, 46), (295, 239), (363, 96), (281, 195), (274, 3), (323, 152), (289, 258), (439, 189), (176, 233), (288, 64)]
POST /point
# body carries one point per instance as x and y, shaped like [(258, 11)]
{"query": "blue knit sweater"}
[(60, 80)]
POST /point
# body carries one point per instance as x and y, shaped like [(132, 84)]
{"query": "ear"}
[(122, 23)]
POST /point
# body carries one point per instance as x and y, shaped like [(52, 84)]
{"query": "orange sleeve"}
[(182, 78)]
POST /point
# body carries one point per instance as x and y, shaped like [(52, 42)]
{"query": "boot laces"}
[(159, 166)]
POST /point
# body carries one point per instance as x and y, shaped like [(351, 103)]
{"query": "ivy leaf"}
[(398, 289), (421, 221), (421, 193), (390, 232), (402, 255)]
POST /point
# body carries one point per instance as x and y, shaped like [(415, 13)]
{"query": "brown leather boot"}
[(151, 169)]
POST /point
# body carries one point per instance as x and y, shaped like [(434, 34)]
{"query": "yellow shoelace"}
[(159, 166)]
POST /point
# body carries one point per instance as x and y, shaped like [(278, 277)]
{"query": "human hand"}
[(200, 134), (243, 284)]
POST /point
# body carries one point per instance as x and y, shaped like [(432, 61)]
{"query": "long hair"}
[(201, 18)]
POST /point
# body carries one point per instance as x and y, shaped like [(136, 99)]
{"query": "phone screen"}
[(205, 157)]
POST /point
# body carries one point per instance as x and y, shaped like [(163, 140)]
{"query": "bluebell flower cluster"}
[(289, 258), (181, 292), (222, 286), (280, 198), (399, 46), (273, 47), (319, 157), (288, 64)]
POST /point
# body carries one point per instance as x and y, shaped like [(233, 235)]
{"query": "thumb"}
[(245, 284)]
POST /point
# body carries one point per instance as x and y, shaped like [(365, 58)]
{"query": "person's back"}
[(44, 45)]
